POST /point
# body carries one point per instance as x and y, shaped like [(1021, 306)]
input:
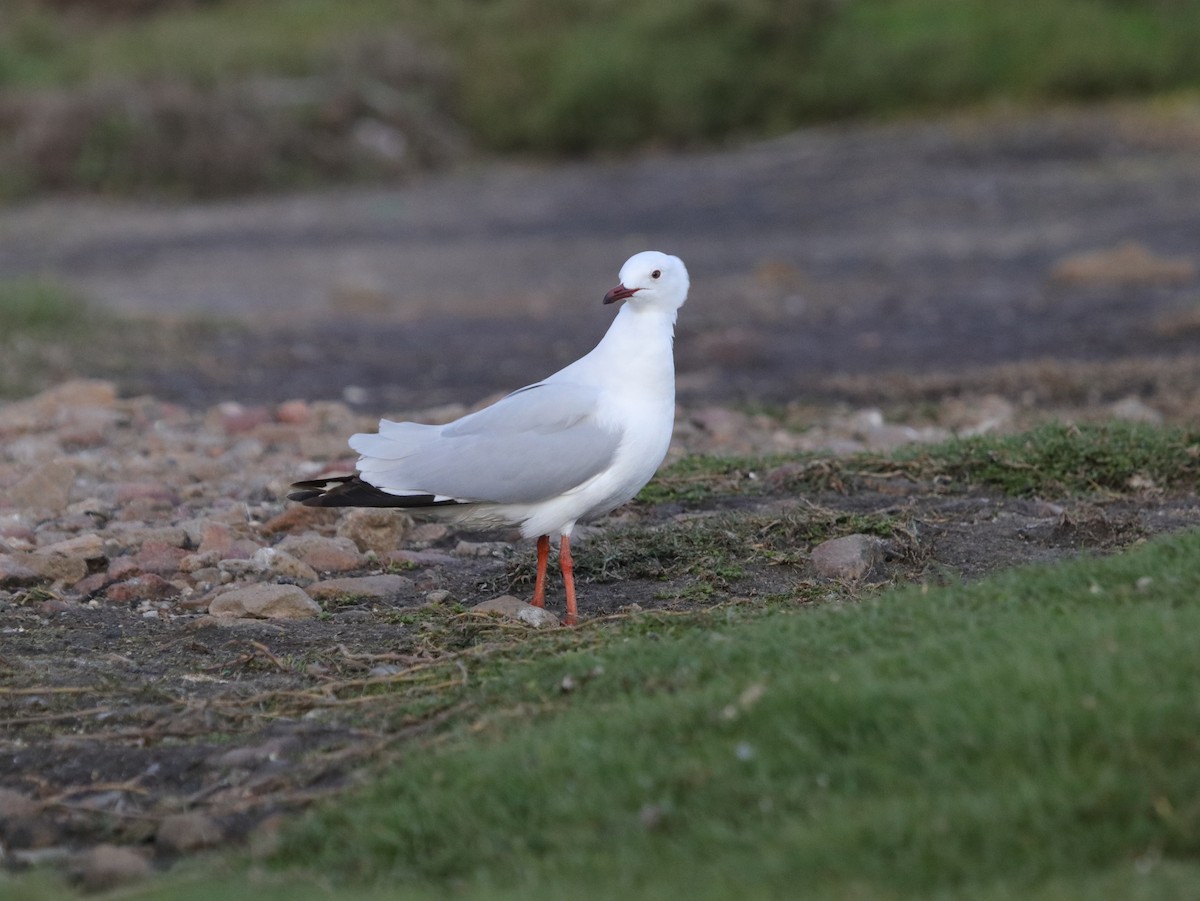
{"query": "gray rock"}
[(108, 866), (375, 530), (57, 567), (283, 565), (323, 554), (385, 587), (851, 557), (1134, 409), (265, 602), (48, 488), (516, 609), (481, 548), (182, 832), (16, 572)]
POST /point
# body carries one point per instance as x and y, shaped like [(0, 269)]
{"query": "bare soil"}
[(924, 268)]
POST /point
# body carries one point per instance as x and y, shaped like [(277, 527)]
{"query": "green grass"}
[(588, 76), (209, 43), (1053, 460), (1031, 736), (38, 307)]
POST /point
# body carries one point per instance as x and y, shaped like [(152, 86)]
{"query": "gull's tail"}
[(351, 491)]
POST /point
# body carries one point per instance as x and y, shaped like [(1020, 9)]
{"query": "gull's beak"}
[(620, 292)]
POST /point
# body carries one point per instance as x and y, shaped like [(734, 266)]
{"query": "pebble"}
[(282, 565), (418, 558), (325, 555), (159, 558), (1134, 409), (265, 601), (516, 609), (378, 530), (146, 587), (385, 587), (105, 867), (851, 557), (481, 548), (191, 831), (15, 572), (47, 488), (57, 567)]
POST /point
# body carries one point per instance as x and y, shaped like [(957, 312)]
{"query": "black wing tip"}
[(351, 491)]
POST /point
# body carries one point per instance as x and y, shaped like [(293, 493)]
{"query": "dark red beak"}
[(620, 292)]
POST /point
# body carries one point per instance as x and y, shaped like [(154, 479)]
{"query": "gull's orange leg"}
[(539, 588), (568, 573)]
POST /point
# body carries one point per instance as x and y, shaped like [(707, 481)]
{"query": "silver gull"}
[(564, 450)]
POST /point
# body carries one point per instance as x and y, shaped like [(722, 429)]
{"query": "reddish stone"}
[(298, 518), (294, 412), (127, 492), (217, 537), (89, 585), (161, 559), (148, 587), (236, 419), (124, 568), (325, 555), (51, 606)]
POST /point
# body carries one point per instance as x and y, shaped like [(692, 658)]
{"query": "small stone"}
[(215, 537), (514, 608), (273, 750), (480, 548), (236, 419), (193, 563), (47, 487), (124, 568), (52, 607), (723, 425), (265, 602), (183, 832), (329, 555), (378, 530), (282, 565), (851, 557), (383, 670), (146, 587), (298, 518), (158, 494), (15, 572), (89, 585), (159, 558), (294, 412), (57, 567), (1134, 409), (384, 587), (265, 838), (437, 596), (417, 558), (108, 866), (89, 547), (429, 533), (131, 536), (14, 804)]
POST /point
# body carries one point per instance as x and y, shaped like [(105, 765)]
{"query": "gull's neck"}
[(637, 349)]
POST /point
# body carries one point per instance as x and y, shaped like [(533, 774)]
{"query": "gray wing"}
[(534, 444)]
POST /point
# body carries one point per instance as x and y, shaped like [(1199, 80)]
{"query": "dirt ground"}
[(1039, 265)]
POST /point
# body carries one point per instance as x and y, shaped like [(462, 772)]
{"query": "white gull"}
[(564, 450)]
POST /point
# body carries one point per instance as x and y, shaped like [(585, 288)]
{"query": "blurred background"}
[(398, 203)]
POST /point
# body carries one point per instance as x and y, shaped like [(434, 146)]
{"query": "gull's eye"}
[(656, 273)]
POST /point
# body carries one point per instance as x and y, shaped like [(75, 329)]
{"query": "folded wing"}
[(534, 444)]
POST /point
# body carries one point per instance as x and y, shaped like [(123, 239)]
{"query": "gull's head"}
[(651, 278)]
